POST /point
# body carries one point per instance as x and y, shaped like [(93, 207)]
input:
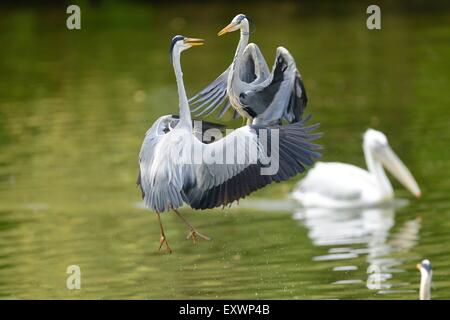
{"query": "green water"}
[(74, 106)]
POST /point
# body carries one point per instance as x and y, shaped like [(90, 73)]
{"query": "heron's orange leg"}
[(193, 234), (163, 239)]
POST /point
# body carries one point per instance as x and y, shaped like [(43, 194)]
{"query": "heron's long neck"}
[(237, 60), (425, 284), (185, 113), (376, 169)]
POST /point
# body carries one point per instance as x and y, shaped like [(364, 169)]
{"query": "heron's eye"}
[(166, 129), (240, 18)]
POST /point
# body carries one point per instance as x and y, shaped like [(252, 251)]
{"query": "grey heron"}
[(168, 176), (249, 87), (425, 279), (341, 185)]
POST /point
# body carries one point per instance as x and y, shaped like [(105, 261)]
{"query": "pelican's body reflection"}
[(364, 231)]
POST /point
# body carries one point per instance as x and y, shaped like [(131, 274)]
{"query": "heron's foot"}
[(162, 241), (194, 235)]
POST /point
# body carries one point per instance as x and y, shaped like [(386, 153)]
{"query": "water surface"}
[(74, 106)]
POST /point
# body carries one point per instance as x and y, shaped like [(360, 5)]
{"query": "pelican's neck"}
[(237, 60), (185, 113), (425, 284), (376, 169)]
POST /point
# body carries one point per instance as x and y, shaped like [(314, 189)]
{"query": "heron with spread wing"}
[(260, 96), (168, 176)]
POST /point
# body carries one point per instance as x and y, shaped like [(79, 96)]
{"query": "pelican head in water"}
[(341, 185), (425, 279)]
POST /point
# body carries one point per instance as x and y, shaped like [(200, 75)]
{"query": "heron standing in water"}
[(168, 176), (247, 85)]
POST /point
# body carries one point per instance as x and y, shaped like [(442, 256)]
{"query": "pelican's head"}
[(181, 43), (238, 22), (377, 143), (425, 279)]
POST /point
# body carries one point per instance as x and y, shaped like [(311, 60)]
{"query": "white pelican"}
[(341, 185), (425, 279), (169, 176)]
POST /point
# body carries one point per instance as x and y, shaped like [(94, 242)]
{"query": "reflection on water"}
[(366, 232)]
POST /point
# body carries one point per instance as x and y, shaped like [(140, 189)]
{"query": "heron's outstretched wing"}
[(254, 67), (254, 70), (162, 126), (221, 184), (152, 137), (281, 96), (210, 98)]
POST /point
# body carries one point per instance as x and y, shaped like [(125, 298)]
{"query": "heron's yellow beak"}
[(418, 266), (194, 41), (229, 28)]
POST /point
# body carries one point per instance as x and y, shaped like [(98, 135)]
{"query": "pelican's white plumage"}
[(341, 185)]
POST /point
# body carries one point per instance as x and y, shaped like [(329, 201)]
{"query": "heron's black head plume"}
[(426, 264), (252, 25), (250, 22), (172, 44)]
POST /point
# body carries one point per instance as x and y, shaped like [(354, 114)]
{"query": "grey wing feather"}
[(219, 185), (255, 69), (206, 131), (225, 109), (208, 97), (281, 96), (148, 155)]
